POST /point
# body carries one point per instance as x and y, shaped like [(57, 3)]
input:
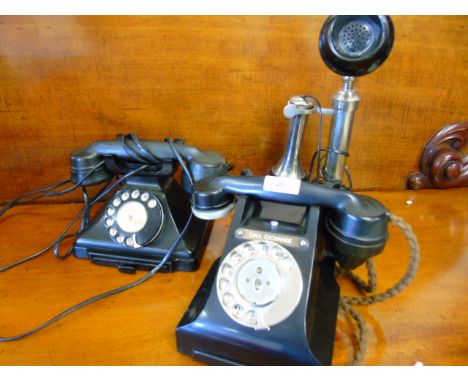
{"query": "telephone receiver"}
[(140, 222), (129, 151), (272, 297), (355, 225)]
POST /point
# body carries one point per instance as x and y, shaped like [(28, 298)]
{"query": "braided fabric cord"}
[(371, 285)]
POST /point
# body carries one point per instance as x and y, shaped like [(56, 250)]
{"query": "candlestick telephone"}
[(272, 297)]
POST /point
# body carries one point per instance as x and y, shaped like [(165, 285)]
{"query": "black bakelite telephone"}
[(146, 224), (142, 220), (272, 298)]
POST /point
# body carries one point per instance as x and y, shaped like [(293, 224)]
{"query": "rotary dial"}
[(133, 218), (259, 284)]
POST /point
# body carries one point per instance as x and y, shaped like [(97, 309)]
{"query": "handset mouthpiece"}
[(213, 214)]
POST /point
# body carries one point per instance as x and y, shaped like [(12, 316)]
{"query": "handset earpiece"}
[(357, 232), (82, 162), (356, 45)]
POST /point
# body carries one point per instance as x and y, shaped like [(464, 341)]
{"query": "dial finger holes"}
[(236, 258), (224, 284), (248, 250), (259, 284), (238, 311), (133, 218), (228, 300), (251, 316), (227, 270)]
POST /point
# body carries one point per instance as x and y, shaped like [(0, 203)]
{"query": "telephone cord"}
[(346, 302), (17, 201), (108, 293), (179, 158), (85, 211)]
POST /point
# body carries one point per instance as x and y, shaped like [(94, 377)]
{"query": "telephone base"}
[(306, 337), (206, 333), (96, 245)]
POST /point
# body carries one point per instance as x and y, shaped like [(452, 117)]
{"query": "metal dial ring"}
[(259, 284), (133, 217)]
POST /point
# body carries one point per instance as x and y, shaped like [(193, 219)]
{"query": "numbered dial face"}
[(259, 284), (133, 217)]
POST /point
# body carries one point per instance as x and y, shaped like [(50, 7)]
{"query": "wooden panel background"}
[(219, 82)]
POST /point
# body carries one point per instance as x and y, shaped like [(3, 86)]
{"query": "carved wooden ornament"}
[(444, 163)]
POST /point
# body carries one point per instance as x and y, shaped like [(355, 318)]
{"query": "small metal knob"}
[(299, 105)]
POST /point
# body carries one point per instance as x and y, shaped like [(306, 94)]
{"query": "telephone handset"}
[(139, 223), (129, 152), (356, 224), (272, 297)]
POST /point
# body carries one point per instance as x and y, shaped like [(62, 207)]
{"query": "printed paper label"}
[(282, 185)]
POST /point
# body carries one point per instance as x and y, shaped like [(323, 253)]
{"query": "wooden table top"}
[(427, 323)]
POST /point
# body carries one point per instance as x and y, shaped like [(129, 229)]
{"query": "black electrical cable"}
[(144, 151), (319, 145), (179, 158), (45, 250), (142, 154), (17, 200), (124, 287), (138, 157), (106, 294), (86, 214), (56, 244), (317, 156), (86, 200)]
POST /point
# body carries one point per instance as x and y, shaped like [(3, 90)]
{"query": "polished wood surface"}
[(428, 322), (219, 82)]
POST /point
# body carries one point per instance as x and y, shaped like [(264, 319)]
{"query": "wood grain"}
[(426, 323), (219, 82)]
